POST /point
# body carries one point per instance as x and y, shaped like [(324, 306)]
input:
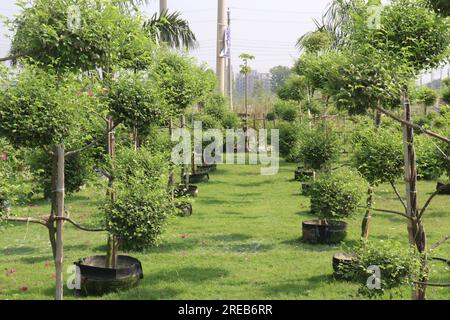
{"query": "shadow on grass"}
[(40, 259), (145, 292), (230, 237), (20, 251), (316, 247), (188, 274), (299, 286)]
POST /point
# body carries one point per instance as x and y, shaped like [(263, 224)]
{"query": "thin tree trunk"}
[(365, 228), (416, 232), (185, 171), (171, 175), (111, 257), (59, 205)]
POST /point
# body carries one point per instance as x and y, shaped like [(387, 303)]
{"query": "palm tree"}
[(172, 29)]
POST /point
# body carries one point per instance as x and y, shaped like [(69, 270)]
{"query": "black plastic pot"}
[(343, 265), (303, 175), (183, 191), (317, 231), (443, 188), (96, 279), (306, 188), (198, 177), (184, 209), (207, 168)]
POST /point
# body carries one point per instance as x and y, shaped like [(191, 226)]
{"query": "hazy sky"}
[(267, 29)]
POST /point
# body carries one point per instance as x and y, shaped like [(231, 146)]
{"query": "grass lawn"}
[(243, 242)]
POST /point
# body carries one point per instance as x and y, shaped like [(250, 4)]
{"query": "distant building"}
[(255, 80)]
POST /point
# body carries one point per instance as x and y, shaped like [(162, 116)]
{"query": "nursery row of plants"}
[(96, 105)]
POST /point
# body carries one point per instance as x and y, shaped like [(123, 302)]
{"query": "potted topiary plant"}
[(136, 219), (334, 196)]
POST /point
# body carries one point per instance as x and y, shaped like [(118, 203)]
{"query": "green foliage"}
[(139, 214), (426, 96), (105, 36), (15, 178), (317, 148), (38, 109), (78, 170), (134, 102), (446, 95), (286, 110), (271, 116), (398, 265), (278, 76), (181, 83), (429, 166), (315, 42), (294, 88), (336, 195), (378, 154), (216, 106), (290, 134)]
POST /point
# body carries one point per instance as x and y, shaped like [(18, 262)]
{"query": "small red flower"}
[(24, 289), (11, 271), (184, 236), (46, 264), (4, 156), (90, 94)]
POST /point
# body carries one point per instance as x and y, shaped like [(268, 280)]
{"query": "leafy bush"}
[(378, 154), (336, 195), (134, 102), (446, 95), (293, 89), (429, 166), (289, 137), (286, 110), (138, 216), (317, 148), (398, 265), (271, 116)]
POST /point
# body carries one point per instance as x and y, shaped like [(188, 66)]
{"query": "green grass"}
[(243, 242)]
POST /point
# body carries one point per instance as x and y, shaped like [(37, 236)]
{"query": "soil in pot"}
[(443, 188), (182, 191), (197, 177), (96, 279), (343, 265), (317, 231), (184, 209)]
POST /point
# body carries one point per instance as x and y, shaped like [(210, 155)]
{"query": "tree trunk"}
[(185, 171), (365, 228), (416, 232), (171, 175), (111, 256), (59, 205)]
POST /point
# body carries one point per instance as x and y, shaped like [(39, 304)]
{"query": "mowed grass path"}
[(243, 242)]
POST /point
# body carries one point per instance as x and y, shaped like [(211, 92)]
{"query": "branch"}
[(428, 203), (28, 220), (388, 211), (398, 195), (90, 145), (80, 226), (413, 125), (437, 244), (430, 284), (14, 56)]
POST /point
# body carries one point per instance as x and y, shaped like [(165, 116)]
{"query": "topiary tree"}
[(429, 164), (336, 195), (426, 97), (286, 110), (142, 205), (378, 156)]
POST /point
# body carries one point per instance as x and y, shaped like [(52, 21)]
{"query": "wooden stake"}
[(59, 192)]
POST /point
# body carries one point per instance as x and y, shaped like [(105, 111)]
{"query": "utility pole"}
[(220, 63), (230, 69), (162, 6)]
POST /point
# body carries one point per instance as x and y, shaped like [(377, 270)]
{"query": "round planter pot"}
[(443, 188), (207, 168), (182, 191), (303, 175), (96, 279), (316, 231), (342, 265), (184, 209), (198, 177)]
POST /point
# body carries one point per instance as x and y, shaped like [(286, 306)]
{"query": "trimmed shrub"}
[(286, 110), (337, 195)]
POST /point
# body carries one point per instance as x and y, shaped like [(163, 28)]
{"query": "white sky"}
[(267, 29)]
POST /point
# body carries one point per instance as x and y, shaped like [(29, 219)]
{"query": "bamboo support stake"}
[(59, 196)]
